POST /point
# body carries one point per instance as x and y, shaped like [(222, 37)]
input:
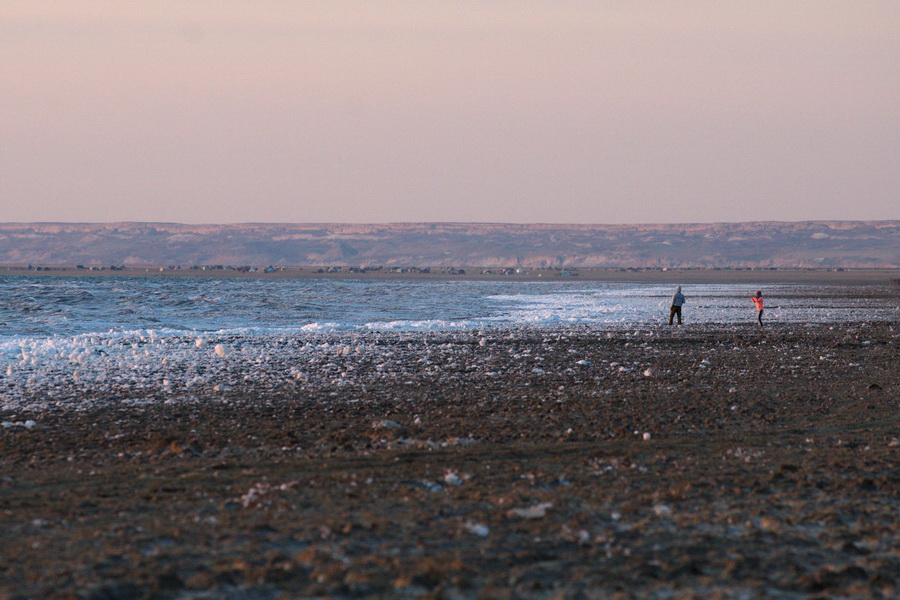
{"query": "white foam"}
[(127, 360)]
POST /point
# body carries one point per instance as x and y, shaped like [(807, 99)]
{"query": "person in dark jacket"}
[(677, 303)]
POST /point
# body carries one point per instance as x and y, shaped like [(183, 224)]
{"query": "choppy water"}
[(50, 307), (69, 341)]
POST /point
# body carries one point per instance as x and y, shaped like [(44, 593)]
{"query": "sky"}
[(550, 111)]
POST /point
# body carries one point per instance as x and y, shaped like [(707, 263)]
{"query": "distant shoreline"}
[(760, 245), (630, 275)]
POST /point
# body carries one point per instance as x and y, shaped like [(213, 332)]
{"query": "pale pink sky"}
[(529, 111)]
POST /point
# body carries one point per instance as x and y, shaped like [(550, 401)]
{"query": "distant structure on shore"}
[(807, 244)]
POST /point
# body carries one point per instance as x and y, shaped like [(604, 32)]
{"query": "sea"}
[(64, 336), (36, 307)]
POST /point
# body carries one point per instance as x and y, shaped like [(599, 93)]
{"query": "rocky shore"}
[(695, 462)]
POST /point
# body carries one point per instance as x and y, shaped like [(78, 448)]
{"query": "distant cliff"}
[(756, 244)]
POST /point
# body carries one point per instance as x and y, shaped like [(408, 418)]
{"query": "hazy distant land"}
[(751, 245)]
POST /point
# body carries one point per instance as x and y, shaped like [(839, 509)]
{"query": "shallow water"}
[(72, 339), (50, 307)]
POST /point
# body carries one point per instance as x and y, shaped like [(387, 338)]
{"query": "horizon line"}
[(432, 223)]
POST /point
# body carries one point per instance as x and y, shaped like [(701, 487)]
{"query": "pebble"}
[(537, 511), (479, 529), (452, 478), (25, 424)]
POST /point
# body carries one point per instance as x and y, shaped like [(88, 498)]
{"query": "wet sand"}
[(693, 462)]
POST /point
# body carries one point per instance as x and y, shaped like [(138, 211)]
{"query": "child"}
[(758, 301)]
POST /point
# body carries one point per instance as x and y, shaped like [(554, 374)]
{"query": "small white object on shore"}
[(451, 478), (662, 510), (221, 350), (478, 529), (647, 436), (25, 424), (537, 511)]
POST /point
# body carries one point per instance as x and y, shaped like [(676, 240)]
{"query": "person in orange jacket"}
[(758, 301)]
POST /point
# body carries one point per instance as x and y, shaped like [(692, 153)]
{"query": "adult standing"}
[(677, 303), (758, 301)]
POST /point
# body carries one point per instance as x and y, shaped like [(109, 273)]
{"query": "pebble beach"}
[(706, 461)]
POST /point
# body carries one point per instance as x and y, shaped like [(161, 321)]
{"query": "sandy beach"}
[(694, 462)]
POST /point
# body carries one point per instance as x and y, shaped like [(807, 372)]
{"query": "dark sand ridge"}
[(650, 275), (515, 467)]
